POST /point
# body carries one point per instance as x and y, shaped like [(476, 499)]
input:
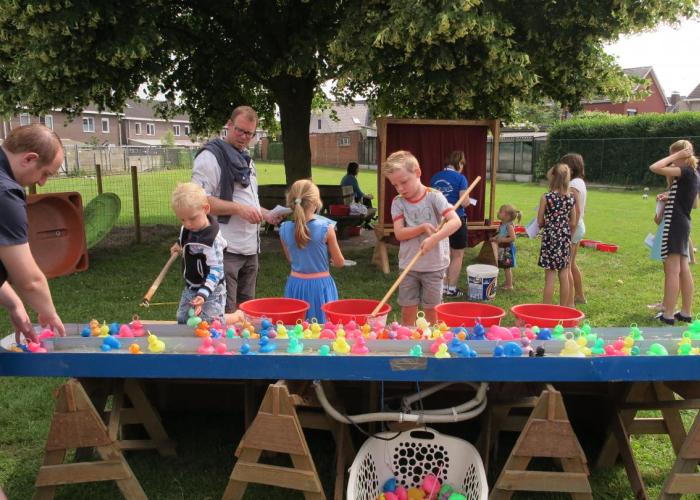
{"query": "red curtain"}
[(431, 145)]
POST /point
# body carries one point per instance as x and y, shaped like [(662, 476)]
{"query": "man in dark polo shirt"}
[(29, 155)]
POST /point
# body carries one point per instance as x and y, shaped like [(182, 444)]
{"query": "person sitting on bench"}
[(350, 179)]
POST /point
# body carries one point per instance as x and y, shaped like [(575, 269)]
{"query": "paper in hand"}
[(533, 228), (280, 211)]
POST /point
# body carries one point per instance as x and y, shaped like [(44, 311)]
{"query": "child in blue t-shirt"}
[(504, 242)]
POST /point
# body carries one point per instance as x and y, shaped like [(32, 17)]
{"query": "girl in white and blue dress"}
[(504, 242), (307, 241), (681, 165)]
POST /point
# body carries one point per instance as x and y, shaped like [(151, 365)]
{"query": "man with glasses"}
[(224, 168)]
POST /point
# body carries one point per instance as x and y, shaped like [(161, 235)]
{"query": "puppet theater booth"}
[(431, 141)]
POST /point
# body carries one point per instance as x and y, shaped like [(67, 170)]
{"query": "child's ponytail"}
[(303, 195)]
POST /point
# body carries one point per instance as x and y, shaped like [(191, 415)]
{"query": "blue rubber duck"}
[(266, 345)]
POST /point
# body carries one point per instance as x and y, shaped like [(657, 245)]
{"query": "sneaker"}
[(679, 316), (453, 294), (580, 301), (665, 320)]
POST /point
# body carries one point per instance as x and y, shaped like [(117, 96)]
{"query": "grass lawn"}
[(619, 286)]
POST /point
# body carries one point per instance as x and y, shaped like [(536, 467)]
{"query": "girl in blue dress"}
[(504, 242), (307, 241)]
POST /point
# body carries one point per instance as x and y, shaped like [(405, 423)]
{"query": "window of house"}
[(176, 130), (187, 130), (137, 128), (631, 112), (344, 141), (88, 124), (105, 125), (319, 124), (47, 120), (150, 129), (24, 119)]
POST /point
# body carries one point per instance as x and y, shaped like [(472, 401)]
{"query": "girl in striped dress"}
[(681, 167)]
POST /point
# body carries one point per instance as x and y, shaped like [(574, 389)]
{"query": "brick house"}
[(690, 103), (656, 102), (137, 125), (352, 137)]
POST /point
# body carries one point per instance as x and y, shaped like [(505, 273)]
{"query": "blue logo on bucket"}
[(481, 287)]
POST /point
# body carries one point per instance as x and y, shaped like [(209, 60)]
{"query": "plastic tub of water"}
[(547, 315), (357, 310), (589, 243), (468, 313), (283, 309), (607, 247)]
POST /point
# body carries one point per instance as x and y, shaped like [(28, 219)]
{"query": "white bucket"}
[(481, 281)]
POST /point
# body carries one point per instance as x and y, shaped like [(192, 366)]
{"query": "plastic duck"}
[(628, 343), (498, 352), (46, 334), (635, 332), (341, 346), (295, 347), (403, 333), (389, 485), (104, 330), (135, 348), (529, 333), (540, 352), (478, 332), (125, 331), (415, 494), (442, 351), (365, 329), (193, 321), (360, 346), (154, 344), (327, 334), (266, 345), (598, 348), (351, 325), (265, 324), (436, 345), (324, 350), (230, 332), (512, 350), (527, 348), (202, 332), (657, 350), (112, 342), (558, 332), (455, 346), (695, 326), (207, 346), (583, 345), (35, 347), (281, 331), (685, 348), (220, 348), (137, 328), (416, 351), (421, 322), (431, 486), (85, 332), (245, 349), (572, 349), (298, 331), (544, 334)]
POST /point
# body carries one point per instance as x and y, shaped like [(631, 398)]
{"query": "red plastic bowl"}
[(358, 310), (547, 315), (288, 311), (607, 247), (589, 243), (520, 230), (467, 313)]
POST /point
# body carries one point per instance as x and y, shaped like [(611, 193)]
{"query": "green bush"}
[(275, 151), (618, 149)]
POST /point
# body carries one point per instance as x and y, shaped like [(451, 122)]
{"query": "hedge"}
[(618, 149)]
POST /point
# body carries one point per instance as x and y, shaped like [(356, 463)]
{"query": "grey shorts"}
[(578, 233), (424, 288), (213, 307)]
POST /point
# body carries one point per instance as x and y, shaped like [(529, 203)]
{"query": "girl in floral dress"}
[(557, 218)]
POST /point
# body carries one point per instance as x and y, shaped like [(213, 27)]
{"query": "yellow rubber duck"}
[(365, 329), (307, 334), (316, 329), (571, 349), (583, 345), (340, 333), (415, 494), (104, 330), (629, 342), (442, 351), (341, 346), (281, 331), (155, 345), (421, 322)]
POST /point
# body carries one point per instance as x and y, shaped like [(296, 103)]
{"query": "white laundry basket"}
[(410, 457)]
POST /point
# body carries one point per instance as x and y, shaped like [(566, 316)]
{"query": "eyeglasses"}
[(244, 133)]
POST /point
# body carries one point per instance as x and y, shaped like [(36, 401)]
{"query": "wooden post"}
[(276, 428), (547, 433), (98, 176), (135, 195), (683, 478), (76, 424)]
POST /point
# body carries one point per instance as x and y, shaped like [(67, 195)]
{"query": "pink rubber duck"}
[(125, 331), (207, 346), (435, 346), (327, 333), (46, 334), (137, 328), (35, 347), (360, 346), (403, 333)]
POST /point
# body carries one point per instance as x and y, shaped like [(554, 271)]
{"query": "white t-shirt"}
[(243, 237), (580, 186)]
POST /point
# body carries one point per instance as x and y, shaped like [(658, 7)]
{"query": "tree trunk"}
[(293, 96)]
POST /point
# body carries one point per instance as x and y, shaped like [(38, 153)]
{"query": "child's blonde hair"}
[(302, 197), (511, 212), (188, 195), (400, 160), (680, 146), (559, 177)]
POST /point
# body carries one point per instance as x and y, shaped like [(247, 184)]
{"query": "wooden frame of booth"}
[(382, 230)]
